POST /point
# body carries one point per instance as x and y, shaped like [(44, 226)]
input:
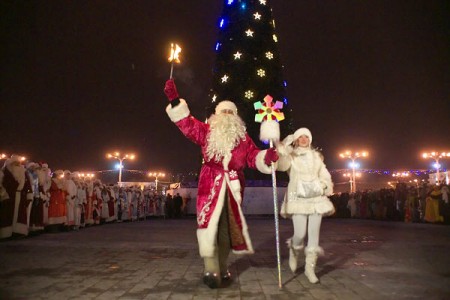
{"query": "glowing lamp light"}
[(353, 165)]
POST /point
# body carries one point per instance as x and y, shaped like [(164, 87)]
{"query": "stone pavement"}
[(158, 259)]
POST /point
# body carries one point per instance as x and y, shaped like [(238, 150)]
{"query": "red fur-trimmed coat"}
[(215, 179)]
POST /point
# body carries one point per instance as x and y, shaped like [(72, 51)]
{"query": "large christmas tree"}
[(248, 65)]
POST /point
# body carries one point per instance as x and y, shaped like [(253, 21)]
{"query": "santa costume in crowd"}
[(227, 149), (17, 185)]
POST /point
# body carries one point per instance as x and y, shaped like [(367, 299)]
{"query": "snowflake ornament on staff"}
[(269, 115), (174, 56)]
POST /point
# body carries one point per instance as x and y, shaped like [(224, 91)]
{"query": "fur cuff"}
[(261, 165), (178, 112)]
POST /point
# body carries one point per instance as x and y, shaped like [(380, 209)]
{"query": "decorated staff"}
[(174, 56), (269, 115)]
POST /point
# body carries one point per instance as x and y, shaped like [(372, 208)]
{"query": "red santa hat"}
[(226, 105)]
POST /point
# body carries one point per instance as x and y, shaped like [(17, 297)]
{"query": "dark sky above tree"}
[(81, 78)]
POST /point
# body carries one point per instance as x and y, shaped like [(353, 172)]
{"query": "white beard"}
[(226, 131)]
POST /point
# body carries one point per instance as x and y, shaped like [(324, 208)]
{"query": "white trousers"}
[(303, 222)]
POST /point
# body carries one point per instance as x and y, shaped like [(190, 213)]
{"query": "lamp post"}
[(353, 156), (436, 156), (156, 175), (120, 158)]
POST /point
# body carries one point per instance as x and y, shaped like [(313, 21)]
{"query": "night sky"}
[(81, 78)]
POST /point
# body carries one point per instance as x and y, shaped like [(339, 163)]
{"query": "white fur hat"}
[(226, 104), (303, 131)]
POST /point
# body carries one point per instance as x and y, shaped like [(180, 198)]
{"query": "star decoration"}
[(268, 110), (257, 16), (263, 2), (249, 32), (269, 55), (248, 94), (237, 55), (214, 98), (224, 78), (275, 39), (261, 73)]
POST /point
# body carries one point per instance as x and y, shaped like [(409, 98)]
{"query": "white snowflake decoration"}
[(261, 73), (269, 55), (248, 94)]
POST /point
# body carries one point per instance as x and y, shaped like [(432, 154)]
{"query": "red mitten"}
[(170, 90), (271, 156)]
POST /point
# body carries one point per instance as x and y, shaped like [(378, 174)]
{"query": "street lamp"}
[(436, 156), (350, 177), (353, 156), (120, 158), (156, 175)]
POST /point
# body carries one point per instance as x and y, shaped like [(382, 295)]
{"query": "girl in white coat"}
[(306, 198)]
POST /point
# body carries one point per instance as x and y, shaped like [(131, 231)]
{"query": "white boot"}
[(294, 253), (312, 254)]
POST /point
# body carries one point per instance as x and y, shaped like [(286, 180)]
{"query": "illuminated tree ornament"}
[(263, 2), (249, 33), (257, 16), (268, 110), (224, 78), (275, 39), (237, 55), (214, 98), (269, 55), (248, 94), (261, 73)]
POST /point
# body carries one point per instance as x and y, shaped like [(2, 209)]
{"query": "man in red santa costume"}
[(18, 187), (227, 149)]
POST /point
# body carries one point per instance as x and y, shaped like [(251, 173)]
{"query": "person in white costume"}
[(306, 198)]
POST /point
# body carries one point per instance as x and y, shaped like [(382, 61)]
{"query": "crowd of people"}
[(34, 199), (425, 203)]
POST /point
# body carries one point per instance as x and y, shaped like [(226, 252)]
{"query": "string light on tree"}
[(237, 55), (224, 78), (257, 16), (249, 33), (269, 55), (261, 72)]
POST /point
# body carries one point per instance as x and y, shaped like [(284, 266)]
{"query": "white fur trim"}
[(303, 131), (261, 165), (269, 131), (226, 104), (178, 112)]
